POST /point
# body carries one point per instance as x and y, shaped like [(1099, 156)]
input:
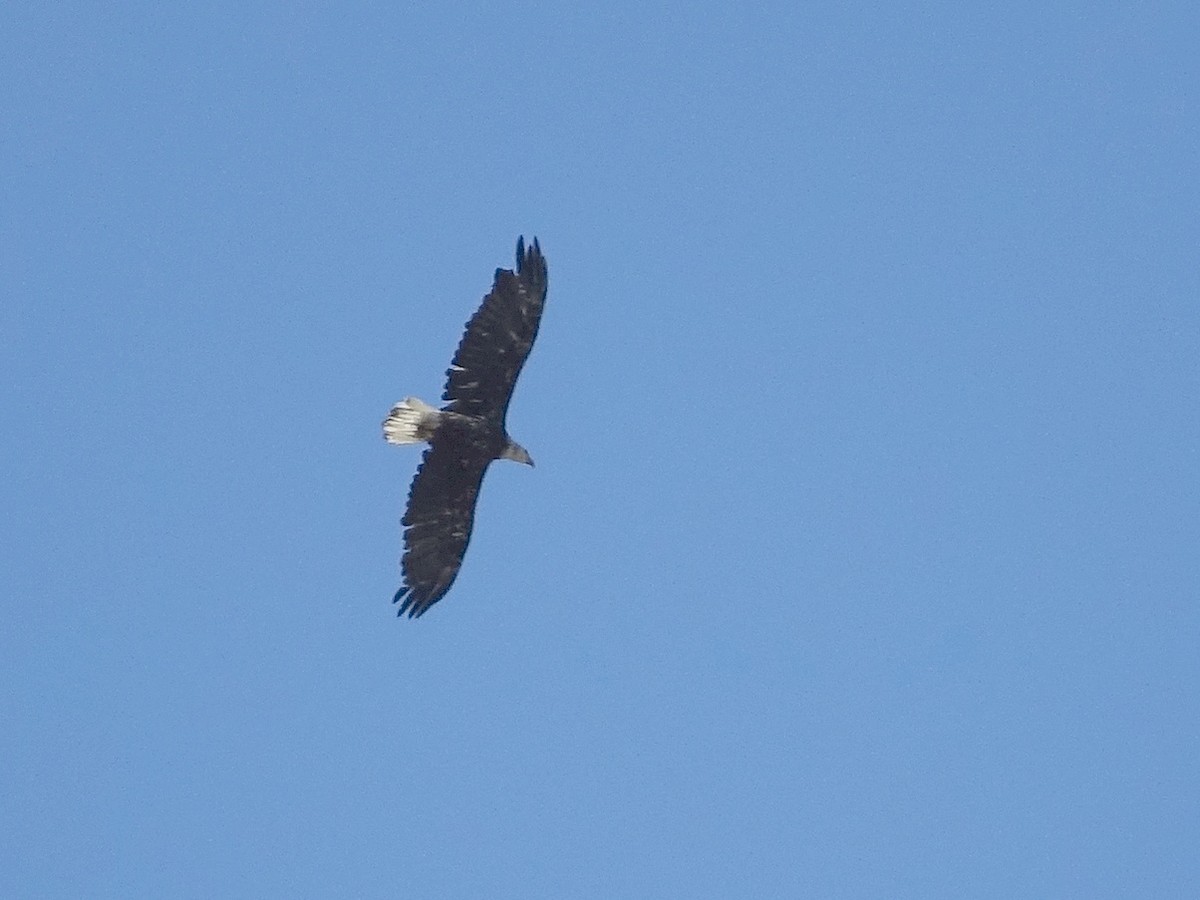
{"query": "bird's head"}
[(517, 453)]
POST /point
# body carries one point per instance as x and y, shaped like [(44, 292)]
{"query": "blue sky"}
[(861, 555)]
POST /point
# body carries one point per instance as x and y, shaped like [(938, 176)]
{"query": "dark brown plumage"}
[(468, 432)]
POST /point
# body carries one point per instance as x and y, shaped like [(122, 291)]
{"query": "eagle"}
[(466, 434)]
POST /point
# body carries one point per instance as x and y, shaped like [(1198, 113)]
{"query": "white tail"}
[(410, 422)]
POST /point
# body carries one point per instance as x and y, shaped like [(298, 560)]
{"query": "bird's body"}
[(466, 434)]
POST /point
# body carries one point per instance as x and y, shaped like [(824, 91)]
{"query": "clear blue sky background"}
[(861, 555)]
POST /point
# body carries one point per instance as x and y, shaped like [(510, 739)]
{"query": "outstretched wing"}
[(498, 338), (441, 511)]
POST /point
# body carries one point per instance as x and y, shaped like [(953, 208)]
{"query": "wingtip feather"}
[(404, 607), (409, 603), (532, 256)]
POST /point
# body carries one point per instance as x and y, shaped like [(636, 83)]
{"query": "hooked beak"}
[(517, 453)]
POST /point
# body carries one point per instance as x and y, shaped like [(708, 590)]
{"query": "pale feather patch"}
[(411, 421)]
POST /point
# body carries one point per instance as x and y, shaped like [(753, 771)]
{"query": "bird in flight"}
[(466, 434)]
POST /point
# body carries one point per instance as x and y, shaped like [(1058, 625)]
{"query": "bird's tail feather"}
[(410, 422)]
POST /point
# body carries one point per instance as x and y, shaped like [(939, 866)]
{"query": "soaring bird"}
[(466, 434)]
